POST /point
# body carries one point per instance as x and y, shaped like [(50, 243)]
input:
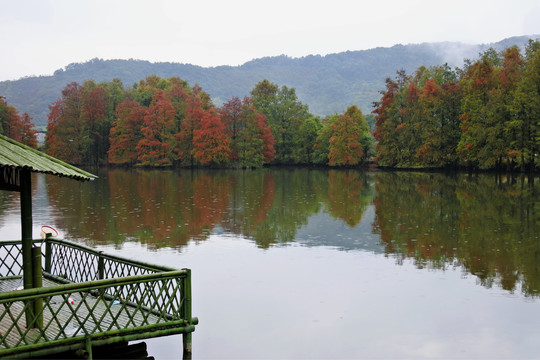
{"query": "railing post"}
[(186, 311), (26, 232), (101, 268), (101, 272), (37, 282), (48, 253)]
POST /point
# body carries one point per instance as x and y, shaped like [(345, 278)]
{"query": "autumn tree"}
[(184, 137), (345, 144), (15, 126), (126, 133), (482, 116), (96, 123), (210, 141), (157, 143), (27, 133), (64, 128)]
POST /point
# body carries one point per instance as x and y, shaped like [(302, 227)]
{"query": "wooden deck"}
[(93, 315), (88, 299)]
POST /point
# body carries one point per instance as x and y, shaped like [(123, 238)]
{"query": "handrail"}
[(27, 294), (115, 258)]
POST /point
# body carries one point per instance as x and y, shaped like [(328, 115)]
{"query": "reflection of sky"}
[(324, 230), (294, 301)]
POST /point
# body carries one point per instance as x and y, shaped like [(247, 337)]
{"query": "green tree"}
[(305, 140), (479, 145), (252, 142), (284, 114), (322, 143), (390, 122), (525, 107)]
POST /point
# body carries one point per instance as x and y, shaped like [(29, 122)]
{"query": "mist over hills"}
[(327, 84)]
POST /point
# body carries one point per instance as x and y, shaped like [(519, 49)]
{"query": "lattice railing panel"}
[(10, 259), (80, 310), (73, 264), (114, 269)]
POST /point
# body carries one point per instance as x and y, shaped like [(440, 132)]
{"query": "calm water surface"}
[(313, 264)]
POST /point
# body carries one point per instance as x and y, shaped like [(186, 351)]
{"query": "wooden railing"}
[(90, 299)]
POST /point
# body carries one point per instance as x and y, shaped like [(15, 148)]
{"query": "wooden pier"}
[(113, 300)]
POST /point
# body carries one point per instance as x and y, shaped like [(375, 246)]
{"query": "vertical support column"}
[(26, 230), (37, 281), (101, 268), (186, 311), (88, 347), (101, 272), (48, 254)]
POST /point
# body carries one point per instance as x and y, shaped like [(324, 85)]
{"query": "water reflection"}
[(484, 224), (169, 208)]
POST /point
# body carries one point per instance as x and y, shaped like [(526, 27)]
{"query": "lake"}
[(319, 264)]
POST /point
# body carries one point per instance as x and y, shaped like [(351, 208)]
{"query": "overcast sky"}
[(40, 36)]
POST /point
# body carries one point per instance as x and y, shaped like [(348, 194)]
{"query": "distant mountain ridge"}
[(327, 84)]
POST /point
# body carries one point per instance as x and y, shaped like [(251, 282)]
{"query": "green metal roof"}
[(16, 155)]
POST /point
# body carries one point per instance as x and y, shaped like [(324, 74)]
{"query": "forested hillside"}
[(327, 84)]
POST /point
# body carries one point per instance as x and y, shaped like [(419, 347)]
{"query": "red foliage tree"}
[(27, 131), (64, 130), (266, 135), (190, 122), (16, 127), (210, 140), (231, 113), (126, 133), (345, 147), (157, 144)]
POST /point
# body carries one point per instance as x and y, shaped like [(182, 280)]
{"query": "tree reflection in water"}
[(483, 223)]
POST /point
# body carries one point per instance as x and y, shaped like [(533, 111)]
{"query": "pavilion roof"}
[(16, 156)]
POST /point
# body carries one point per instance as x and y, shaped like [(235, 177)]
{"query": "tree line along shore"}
[(485, 115)]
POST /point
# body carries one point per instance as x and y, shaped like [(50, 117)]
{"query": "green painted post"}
[(26, 230), (48, 253), (89, 347), (101, 272), (101, 268), (186, 311), (37, 282)]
